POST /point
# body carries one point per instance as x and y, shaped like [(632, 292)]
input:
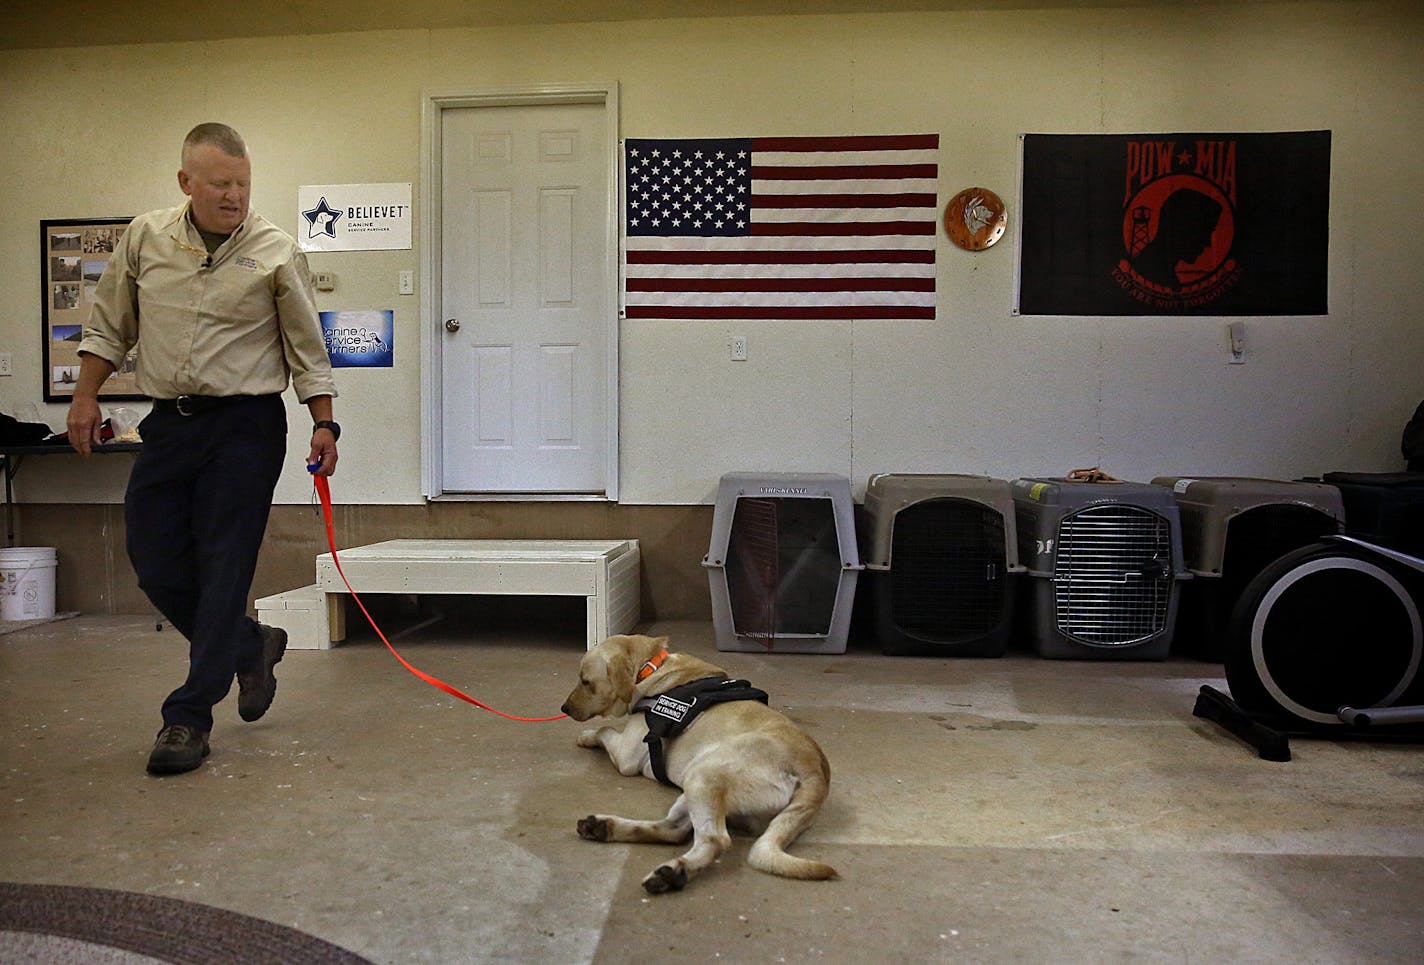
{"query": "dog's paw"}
[(588, 738), (593, 828), (665, 878)]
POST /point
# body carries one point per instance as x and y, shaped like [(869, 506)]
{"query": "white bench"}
[(604, 572)]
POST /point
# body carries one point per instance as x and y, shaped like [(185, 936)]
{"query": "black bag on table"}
[(13, 432)]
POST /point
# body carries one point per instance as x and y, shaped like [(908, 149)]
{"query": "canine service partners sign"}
[(360, 340), (353, 217)]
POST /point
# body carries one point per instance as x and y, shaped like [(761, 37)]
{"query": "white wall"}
[(95, 131)]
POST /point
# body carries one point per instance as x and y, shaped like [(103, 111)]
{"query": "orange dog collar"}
[(647, 669)]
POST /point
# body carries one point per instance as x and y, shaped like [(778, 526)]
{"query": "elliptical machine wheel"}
[(1328, 625)]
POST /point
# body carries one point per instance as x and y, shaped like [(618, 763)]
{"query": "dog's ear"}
[(624, 655), (620, 661)]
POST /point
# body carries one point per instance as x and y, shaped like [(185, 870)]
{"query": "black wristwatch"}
[(328, 424)]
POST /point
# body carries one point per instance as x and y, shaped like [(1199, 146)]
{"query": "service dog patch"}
[(673, 710)]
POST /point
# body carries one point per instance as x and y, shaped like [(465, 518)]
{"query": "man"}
[(220, 305)]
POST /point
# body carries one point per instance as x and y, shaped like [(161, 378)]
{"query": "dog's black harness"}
[(668, 714)]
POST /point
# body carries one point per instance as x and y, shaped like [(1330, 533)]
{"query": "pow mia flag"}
[(1175, 224)]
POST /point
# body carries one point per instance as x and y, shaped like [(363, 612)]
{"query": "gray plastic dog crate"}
[(1104, 565), (782, 563), (942, 556), (1233, 527)]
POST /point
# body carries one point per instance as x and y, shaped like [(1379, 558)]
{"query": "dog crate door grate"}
[(783, 567), (1113, 575), (948, 570), (753, 569)]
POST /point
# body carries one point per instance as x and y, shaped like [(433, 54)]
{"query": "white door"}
[(526, 300)]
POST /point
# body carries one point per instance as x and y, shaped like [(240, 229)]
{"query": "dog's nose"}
[(565, 708)]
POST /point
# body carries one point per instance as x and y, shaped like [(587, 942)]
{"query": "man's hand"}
[(323, 450), (85, 420)]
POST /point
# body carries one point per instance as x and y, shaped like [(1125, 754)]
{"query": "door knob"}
[(452, 324)]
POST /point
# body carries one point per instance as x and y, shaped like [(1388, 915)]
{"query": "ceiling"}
[(44, 23)]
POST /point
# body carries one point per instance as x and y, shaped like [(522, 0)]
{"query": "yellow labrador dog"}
[(737, 758)]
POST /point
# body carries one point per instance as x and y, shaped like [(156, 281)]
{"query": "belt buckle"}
[(182, 404)]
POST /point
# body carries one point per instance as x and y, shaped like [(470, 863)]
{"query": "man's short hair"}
[(220, 136)]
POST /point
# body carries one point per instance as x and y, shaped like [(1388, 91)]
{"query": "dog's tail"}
[(768, 852)]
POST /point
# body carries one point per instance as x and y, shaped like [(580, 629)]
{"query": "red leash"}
[(323, 489)]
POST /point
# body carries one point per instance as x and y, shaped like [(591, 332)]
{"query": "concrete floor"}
[(1013, 810)]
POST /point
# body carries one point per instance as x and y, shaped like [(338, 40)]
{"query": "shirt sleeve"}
[(112, 327), (302, 340)]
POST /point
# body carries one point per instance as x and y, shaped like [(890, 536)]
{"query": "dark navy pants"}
[(196, 510)]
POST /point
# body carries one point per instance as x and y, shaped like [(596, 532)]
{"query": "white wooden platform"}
[(604, 572)]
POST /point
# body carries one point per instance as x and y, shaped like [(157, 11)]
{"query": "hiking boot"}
[(256, 689), (179, 748)]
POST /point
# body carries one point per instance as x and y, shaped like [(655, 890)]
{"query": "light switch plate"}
[(1236, 343)]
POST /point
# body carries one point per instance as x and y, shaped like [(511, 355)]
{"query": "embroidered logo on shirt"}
[(251, 264)]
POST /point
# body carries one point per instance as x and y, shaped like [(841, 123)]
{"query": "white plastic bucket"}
[(27, 582)]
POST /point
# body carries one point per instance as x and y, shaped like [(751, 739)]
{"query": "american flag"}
[(780, 227)]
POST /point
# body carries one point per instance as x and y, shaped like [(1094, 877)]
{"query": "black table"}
[(12, 456)]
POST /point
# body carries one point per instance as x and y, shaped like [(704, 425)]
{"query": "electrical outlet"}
[(739, 348), (406, 282), (7, 364)]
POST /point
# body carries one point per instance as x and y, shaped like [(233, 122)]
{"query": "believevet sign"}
[(1174, 224), (353, 217)]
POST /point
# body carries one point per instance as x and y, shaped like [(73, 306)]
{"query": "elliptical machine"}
[(1328, 641)]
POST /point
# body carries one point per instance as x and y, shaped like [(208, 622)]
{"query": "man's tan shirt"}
[(239, 322)]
